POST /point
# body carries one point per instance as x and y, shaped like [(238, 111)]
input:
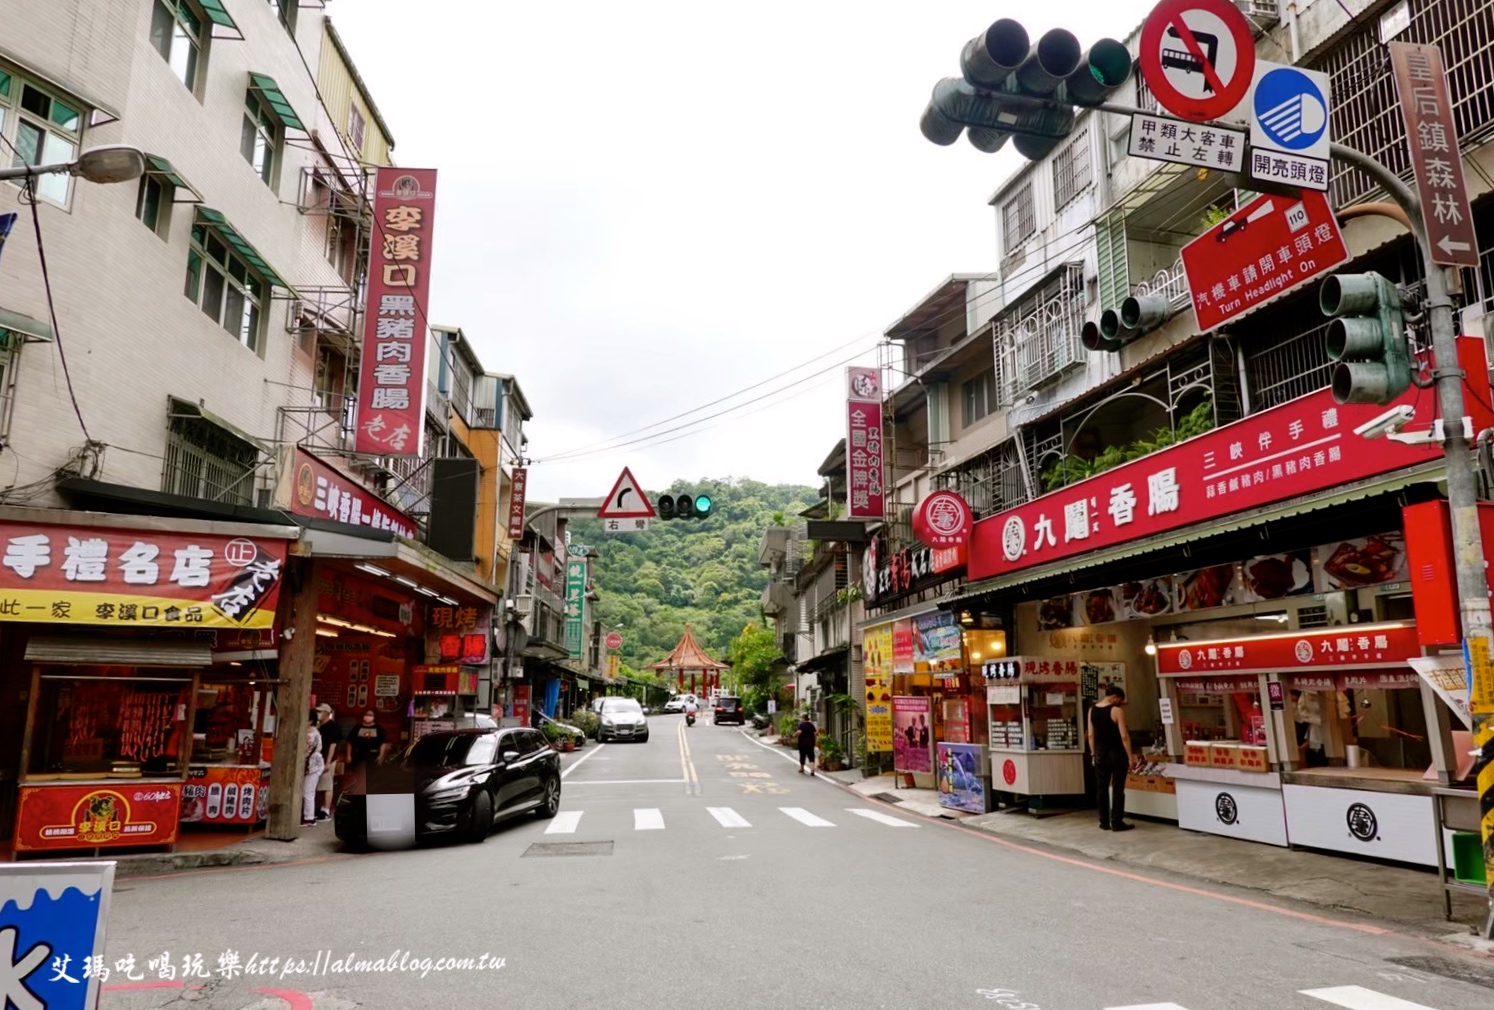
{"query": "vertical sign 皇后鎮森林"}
[(391, 378), (866, 494), (1431, 133), (518, 490), (575, 600)]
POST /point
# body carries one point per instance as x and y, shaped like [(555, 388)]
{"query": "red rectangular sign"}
[(323, 492), (226, 794), (865, 474), (391, 377), (1350, 646), (1272, 245), (1298, 448), (517, 493), (74, 575), (1432, 134), (97, 816)]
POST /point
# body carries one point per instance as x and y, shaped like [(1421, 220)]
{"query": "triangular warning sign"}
[(626, 500)]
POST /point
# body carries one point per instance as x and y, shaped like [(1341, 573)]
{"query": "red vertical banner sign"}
[(864, 461), (391, 377), (516, 495)]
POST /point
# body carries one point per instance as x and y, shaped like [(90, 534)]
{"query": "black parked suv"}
[(730, 709)]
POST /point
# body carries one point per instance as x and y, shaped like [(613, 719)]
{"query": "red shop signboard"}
[(1298, 448), (324, 493), (75, 575), (1347, 647), (97, 817)]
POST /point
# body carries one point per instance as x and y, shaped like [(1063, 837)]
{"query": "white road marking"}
[(881, 818), (805, 817), (565, 823), (1356, 997), (1149, 1006), (792, 759), (728, 818), (582, 758), (626, 782), (648, 819)]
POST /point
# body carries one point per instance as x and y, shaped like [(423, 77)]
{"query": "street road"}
[(701, 870)]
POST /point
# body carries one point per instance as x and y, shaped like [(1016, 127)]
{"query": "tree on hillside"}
[(754, 656)]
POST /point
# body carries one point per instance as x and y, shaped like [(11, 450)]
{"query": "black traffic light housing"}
[(1367, 338), (1012, 88), (684, 506)]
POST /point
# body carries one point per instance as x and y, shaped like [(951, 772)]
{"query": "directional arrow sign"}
[(626, 500), (1197, 57), (1426, 106)]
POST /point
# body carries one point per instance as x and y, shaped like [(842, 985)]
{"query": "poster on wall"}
[(876, 664), (912, 735), (1277, 576), (902, 646), (1099, 606), (1364, 561), (1055, 613), (937, 640), (959, 780), (1147, 598), (1203, 588), (226, 794)]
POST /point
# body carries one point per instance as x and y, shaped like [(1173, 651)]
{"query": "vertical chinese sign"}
[(575, 599), (516, 495), (864, 469), (1432, 135), (391, 377), (876, 663)]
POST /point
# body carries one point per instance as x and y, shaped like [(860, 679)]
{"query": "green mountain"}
[(701, 572)]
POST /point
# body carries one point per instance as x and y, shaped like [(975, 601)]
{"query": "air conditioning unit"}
[(1262, 13), (524, 605)]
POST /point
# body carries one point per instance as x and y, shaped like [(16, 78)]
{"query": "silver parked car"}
[(622, 719)]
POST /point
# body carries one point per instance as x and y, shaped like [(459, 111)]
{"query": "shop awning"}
[(275, 98), (241, 246), (162, 169), (828, 660), (98, 651), (14, 324), (1244, 520), (217, 14)]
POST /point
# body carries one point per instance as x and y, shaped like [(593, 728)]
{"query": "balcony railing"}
[(1039, 338), (1170, 283)]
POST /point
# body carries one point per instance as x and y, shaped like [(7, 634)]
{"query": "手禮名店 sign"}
[(1339, 648), (1298, 448), (87, 575)]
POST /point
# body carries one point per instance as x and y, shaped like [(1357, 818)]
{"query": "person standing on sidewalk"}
[(314, 766), (1110, 749), (331, 745), (806, 733)]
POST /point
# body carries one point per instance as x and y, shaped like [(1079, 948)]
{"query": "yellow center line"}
[(687, 764)]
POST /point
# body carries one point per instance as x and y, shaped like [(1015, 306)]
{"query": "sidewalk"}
[(1396, 894)]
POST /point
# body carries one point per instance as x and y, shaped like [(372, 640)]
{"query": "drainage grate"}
[(568, 849), (1471, 972)]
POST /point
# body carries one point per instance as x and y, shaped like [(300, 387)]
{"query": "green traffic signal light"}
[(703, 505), (1367, 338)]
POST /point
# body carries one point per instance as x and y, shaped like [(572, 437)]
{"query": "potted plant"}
[(788, 725), (832, 754)]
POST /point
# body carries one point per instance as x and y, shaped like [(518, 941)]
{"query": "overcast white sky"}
[(646, 206)]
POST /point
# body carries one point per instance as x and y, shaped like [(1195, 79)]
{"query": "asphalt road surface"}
[(700, 869)]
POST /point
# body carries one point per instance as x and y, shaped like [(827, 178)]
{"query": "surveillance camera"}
[(1388, 423)]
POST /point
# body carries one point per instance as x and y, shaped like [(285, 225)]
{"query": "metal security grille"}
[(991, 482), (1018, 219), (1366, 112), (205, 461), (1039, 337), (1290, 367), (1071, 171)]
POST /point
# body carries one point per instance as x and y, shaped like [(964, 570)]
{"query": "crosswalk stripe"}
[(1356, 997), (1149, 1006), (880, 818), (564, 823), (648, 819), (805, 817), (729, 818)]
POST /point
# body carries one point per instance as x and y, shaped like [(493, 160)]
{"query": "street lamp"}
[(112, 163)]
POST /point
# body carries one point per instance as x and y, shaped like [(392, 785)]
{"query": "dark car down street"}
[(465, 781), (729, 710)]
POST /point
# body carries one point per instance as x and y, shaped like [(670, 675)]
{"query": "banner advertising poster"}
[(957, 773), (902, 646), (912, 734), (876, 664), (937, 640)]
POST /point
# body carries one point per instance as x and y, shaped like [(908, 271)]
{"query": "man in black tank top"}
[(1110, 749)]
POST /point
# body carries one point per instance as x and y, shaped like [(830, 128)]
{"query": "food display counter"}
[(227, 780), (1033, 711), (1384, 813)]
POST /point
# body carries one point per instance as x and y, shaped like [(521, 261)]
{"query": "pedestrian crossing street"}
[(1350, 997), (568, 822)]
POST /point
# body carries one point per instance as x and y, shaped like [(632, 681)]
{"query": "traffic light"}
[(1117, 328), (1012, 88), (685, 506), (1367, 338)]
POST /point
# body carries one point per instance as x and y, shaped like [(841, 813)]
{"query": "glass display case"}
[(1034, 712)]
